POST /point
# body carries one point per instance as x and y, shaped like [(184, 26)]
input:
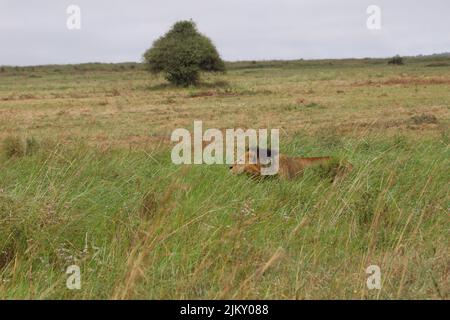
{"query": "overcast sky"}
[(34, 32)]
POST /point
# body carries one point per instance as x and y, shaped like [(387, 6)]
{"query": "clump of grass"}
[(313, 105), (300, 106), (329, 138), (16, 147), (31, 146), (149, 204), (364, 205), (169, 100), (7, 254), (114, 92), (424, 118), (11, 230), (13, 146), (196, 94)]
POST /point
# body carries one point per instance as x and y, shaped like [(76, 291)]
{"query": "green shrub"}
[(397, 60), (182, 53)]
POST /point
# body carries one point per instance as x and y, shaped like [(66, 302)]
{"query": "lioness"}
[(289, 167)]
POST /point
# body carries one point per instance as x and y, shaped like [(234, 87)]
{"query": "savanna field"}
[(86, 178)]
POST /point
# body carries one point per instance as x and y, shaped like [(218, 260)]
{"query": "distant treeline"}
[(430, 61)]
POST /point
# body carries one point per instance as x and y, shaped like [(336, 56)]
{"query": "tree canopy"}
[(182, 53)]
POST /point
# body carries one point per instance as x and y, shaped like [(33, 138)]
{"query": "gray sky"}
[(34, 32)]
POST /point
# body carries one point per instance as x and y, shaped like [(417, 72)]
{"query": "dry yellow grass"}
[(129, 107)]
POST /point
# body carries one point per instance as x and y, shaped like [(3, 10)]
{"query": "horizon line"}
[(442, 54)]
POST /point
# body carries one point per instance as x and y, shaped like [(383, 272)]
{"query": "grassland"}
[(86, 179)]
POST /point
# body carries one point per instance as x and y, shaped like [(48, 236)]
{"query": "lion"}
[(289, 167)]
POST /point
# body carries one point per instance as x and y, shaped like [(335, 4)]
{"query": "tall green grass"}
[(141, 227)]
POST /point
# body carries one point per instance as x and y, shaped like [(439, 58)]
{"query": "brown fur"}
[(289, 167)]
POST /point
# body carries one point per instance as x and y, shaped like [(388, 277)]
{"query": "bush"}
[(182, 53), (397, 60)]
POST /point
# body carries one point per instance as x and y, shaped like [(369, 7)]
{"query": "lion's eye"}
[(230, 167)]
